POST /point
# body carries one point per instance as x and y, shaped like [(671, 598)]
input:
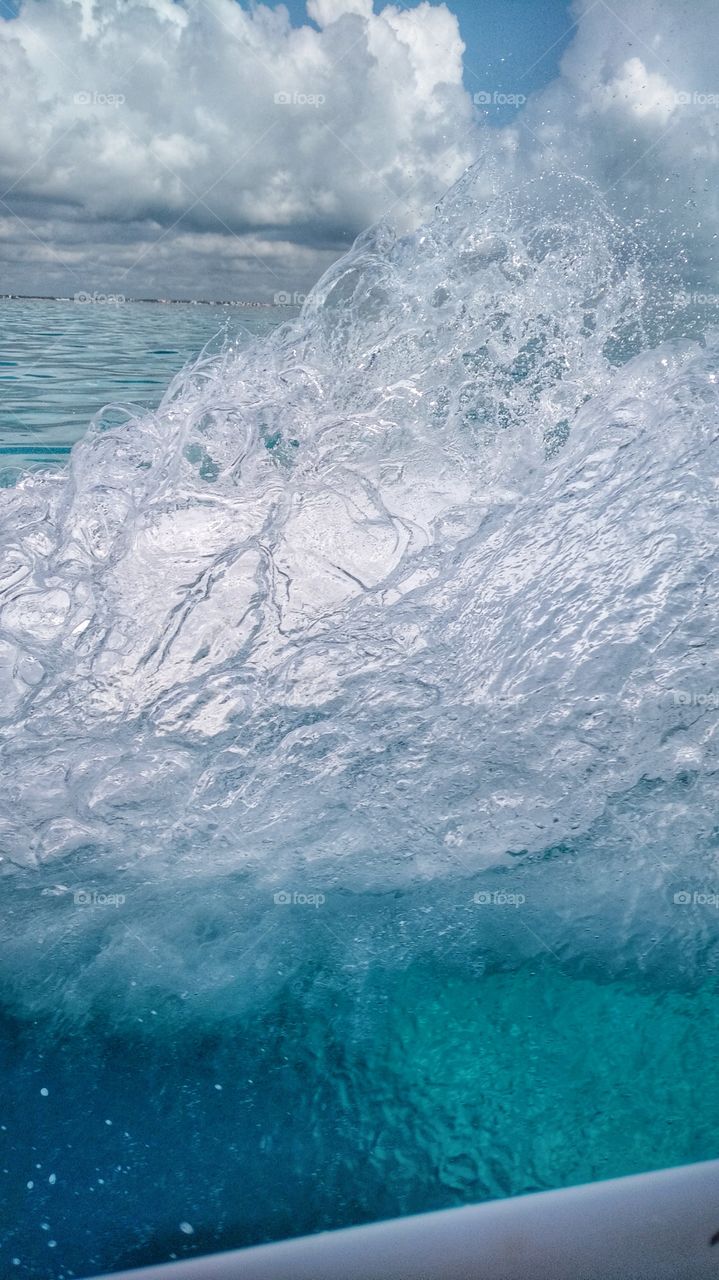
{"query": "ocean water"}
[(359, 725), (63, 362)]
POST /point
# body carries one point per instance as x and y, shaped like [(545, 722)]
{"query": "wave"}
[(417, 589)]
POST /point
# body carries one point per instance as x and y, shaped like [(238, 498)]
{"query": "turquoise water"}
[(62, 362), (348, 1098)]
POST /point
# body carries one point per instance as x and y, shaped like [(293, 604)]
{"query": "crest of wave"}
[(421, 581)]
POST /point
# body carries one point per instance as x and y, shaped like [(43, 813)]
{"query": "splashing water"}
[(400, 616)]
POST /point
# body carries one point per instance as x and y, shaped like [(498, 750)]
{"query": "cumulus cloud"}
[(199, 149), (204, 118)]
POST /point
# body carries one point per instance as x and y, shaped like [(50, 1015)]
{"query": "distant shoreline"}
[(114, 300)]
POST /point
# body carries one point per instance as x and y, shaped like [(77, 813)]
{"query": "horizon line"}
[(120, 300)]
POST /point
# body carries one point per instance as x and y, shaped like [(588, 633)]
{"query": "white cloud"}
[(323, 12), (637, 91), (146, 113)]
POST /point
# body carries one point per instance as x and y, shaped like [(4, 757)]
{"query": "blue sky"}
[(513, 45)]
